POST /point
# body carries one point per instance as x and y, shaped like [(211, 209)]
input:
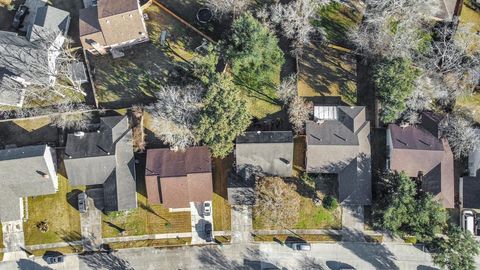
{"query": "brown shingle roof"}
[(177, 178), (88, 21), (107, 8)]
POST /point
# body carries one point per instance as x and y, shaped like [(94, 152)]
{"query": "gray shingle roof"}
[(105, 158), (25, 171), (342, 147), (268, 152), (470, 192)]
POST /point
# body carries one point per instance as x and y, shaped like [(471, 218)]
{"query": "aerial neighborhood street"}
[(239, 134)]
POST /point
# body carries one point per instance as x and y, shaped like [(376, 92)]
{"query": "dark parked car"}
[(20, 15), (55, 259), (208, 231), (82, 202)]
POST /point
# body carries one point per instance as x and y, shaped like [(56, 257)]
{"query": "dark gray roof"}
[(470, 192), (341, 146), (269, 153), (53, 18), (266, 137), (79, 75), (105, 158), (26, 171)]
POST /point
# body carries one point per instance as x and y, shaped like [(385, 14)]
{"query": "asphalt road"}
[(251, 256)]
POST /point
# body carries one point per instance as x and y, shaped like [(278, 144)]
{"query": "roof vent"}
[(79, 134), (404, 125), (320, 121), (259, 132), (98, 131)]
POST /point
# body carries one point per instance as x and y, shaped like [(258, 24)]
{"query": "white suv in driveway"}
[(468, 221)]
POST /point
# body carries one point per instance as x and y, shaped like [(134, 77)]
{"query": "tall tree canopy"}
[(223, 117), (457, 251), (253, 52), (394, 80), (402, 210)]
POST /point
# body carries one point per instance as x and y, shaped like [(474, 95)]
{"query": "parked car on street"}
[(208, 231), (20, 15), (468, 221), (301, 246), (82, 202), (55, 259), (207, 209)]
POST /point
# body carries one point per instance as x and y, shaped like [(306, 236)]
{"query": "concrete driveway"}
[(198, 221), (13, 239), (241, 224), (91, 221)]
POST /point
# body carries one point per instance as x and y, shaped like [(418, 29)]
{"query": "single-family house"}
[(264, 152), (469, 188), (422, 154), (178, 179), (25, 172), (105, 158), (338, 143), (31, 59), (112, 24)]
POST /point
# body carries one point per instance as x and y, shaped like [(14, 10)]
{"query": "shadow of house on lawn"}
[(25, 264), (13, 133)]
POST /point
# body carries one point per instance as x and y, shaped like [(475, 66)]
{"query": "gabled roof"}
[(25, 171), (419, 152), (265, 152), (104, 157), (338, 143), (107, 8), (52, 19), (175, 179)]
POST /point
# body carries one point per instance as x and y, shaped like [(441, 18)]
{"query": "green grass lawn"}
[(470, 16), (337, 20), (127, 80), (63, 219), (221, 207), (326, 71), (470, 105)]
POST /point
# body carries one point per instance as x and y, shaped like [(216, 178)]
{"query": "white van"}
[(468, 221)]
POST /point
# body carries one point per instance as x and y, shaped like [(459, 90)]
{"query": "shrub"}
[(330, 203)]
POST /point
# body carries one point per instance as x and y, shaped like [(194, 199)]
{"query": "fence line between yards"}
[(89, 71), (183, 21)]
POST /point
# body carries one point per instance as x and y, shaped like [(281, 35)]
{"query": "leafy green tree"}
[(223, 117), (253, 52), (403, 211), (395, 81), (205, 66), (457, 251), (330, 203)]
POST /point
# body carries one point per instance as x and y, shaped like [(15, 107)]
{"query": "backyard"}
[(133, 78), (327, 71), (146, 219), (28, 132), (57, 211)]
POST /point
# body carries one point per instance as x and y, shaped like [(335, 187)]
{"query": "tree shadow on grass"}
[(25, 264)]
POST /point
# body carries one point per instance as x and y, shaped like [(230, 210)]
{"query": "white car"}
[(468, 221), (207, 208)]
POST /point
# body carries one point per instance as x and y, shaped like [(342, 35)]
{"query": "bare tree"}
[(277, 204), (175, 113), (455, 56), (224, 7), (40, 67), (287, 89), (71, 116), (295, 20), (299, 112), (393, 28), (461, 135)]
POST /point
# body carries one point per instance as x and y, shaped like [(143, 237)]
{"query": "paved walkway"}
[(146, 237), (297, 231), (55, 245), (241, 224)]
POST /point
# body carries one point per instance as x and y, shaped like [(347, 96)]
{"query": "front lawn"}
[(126, 81), (61, 216), (326, 71)]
